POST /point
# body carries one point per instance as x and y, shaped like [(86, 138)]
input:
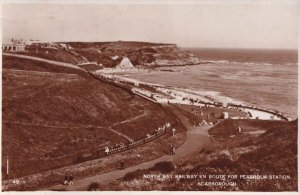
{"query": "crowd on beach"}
[(252, 112)]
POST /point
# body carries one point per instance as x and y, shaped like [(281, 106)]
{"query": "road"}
[(44, 60), (197, 138)]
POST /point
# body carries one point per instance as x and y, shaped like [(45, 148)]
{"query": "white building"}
[(225, 115), (14, 46)]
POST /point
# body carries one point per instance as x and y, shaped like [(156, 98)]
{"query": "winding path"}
[(197, 138), (126, 121), (120, 134)]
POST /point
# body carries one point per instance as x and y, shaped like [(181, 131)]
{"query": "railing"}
[(286, 118)]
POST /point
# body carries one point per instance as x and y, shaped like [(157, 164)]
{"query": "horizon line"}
[(167, 43)]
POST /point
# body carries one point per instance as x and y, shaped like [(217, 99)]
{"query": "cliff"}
[(162, 55), (110, 54)]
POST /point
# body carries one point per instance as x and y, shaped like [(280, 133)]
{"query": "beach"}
[(267, 86)]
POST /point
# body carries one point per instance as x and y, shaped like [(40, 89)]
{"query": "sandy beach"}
[(186, 96), (267, 86)]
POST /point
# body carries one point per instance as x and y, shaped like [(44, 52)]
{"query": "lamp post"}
[(7, 165)]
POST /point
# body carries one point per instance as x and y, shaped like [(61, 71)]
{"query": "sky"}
[(216, 23)]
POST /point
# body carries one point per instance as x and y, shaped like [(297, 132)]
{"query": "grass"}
[(230, 126), (9, 62), (49, 118), (60, 55)]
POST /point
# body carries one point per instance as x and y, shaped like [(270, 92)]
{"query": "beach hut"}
[(225, 115)]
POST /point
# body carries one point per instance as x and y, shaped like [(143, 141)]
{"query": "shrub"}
[(94, 186), (164, 167), (132, 175)]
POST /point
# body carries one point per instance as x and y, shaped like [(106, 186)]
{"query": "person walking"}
[(71, 178), (170, 149), (173, 131), (106, 150), (173, 150), (66, 179)]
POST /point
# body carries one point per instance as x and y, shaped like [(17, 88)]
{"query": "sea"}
[(248, 56), (264, 78)]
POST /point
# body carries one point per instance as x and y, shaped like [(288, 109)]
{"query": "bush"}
[(164, 167), (94, 186), (132, 175)]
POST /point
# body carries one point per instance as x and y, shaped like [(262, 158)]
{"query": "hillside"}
[(51, 114), (109, 54), (261, 148)]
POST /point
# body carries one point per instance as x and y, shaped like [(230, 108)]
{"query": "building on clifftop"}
[(14, 45)]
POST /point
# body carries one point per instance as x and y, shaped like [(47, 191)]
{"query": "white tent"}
[(125, 64)]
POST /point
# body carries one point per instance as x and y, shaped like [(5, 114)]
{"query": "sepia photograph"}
[(130, 95)]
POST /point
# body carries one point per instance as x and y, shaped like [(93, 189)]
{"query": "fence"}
[(286, 118)]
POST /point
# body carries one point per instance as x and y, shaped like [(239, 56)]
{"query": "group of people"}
[(117, 147), (68, 180)]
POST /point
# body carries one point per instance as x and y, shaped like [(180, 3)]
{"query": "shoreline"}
[(213, 98)]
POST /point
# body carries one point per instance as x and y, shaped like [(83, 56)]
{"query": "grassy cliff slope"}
[(50, 114)]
